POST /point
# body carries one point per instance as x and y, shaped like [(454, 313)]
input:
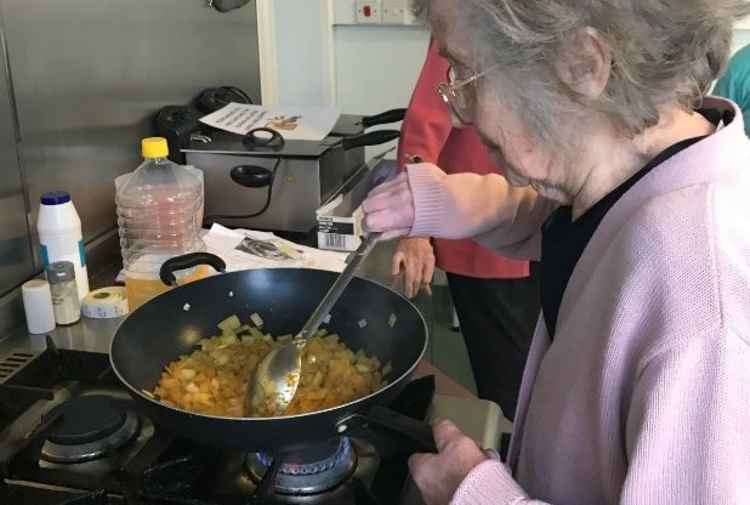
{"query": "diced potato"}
[(228, 339), (187, 374)]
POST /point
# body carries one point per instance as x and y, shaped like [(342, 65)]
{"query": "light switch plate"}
[(369, 12)]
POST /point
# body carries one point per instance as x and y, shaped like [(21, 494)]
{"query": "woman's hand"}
[(415, 257), (389, 208), (438, 476)]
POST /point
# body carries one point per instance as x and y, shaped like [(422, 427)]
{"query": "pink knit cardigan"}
[(643, 398)]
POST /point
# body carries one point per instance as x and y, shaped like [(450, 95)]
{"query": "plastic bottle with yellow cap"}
[(159, 215)]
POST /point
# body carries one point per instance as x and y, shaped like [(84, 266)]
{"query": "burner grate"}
[(13, 363), (309, 471)]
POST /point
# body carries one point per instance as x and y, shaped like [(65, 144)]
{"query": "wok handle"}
[(390, 116), (369, 139), (172, 265), (415, 430)]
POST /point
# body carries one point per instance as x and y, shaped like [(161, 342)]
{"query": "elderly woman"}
[(634, 190)]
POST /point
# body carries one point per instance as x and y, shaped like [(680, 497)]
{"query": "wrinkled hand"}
[(389, 208), (415, 258), (438, 476)]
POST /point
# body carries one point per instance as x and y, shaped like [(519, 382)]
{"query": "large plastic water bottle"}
[(60, 237), (159, 213)]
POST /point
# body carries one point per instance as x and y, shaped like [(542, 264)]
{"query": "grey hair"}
[(663, 52), (421, 9)]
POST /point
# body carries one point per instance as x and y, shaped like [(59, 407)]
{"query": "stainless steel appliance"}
[(80, 81), (279, 186), (70, 434), (86, 87)]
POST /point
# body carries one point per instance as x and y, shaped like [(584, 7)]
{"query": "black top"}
[(564, 240)]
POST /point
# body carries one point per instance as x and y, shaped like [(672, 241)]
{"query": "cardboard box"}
[(340, 219)]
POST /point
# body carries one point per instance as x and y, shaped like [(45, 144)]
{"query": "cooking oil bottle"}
[(159, 214)]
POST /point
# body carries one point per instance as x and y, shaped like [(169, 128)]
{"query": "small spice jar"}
[(62, 282)]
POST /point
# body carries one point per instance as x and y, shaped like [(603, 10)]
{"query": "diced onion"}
[(230, 323), (387, 369), (256, 319)]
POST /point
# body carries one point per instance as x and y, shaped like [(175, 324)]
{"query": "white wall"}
[(377, 66), (303, 62), (362, 69), (359, 69)]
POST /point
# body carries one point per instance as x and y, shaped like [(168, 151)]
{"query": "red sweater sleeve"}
[(427, 123)]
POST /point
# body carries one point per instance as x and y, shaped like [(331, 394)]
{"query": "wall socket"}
[(397, 12), (369, 12)]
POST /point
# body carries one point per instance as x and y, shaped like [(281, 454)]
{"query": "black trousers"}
[(498, 317)]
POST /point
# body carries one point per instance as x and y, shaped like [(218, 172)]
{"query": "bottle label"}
[(82, 253), (44, 255)]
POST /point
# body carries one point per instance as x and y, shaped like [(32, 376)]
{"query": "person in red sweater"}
[(496, 299)]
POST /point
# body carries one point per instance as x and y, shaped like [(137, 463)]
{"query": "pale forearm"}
[(468, 205)]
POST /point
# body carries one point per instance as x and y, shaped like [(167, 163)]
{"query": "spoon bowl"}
[(276, 380)]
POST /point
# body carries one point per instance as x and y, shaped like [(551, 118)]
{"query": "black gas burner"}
[(308, 471), (89, 428)]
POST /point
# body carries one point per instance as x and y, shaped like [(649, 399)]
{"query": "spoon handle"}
[(338, 287)]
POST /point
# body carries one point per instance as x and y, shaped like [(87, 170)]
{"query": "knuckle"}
[(443, 423), (373, 223)]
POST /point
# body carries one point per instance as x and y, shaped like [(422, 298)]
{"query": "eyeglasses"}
[(454, 94)]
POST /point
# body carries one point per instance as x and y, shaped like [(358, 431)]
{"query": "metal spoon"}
[(275, 382)]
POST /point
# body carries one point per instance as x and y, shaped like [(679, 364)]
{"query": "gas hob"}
[(70, 434)]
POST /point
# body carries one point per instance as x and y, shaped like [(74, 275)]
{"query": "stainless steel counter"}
[(95, 335)]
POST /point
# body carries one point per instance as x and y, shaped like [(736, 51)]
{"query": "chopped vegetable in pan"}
[(213, 379)]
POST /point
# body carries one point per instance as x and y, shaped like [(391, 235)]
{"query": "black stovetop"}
[(155, 466)]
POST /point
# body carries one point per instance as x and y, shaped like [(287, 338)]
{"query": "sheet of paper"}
[(293, 123), (247, 249)]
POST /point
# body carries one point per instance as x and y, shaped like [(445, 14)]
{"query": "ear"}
[(584, 63)]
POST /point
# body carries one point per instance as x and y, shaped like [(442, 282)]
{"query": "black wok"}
[(169, 325)]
